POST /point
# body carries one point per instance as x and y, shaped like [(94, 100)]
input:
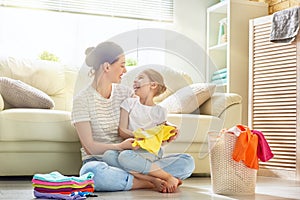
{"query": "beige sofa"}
[(39, 140), (35, 140)]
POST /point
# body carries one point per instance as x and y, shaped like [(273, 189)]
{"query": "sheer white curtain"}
[(160, 10)]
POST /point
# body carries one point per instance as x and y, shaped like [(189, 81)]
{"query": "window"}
[(29, 32)]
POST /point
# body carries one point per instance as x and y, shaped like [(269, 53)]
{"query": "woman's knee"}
[(111, 153), (93, 166), (111, 158), (105, 176), (126, 156)]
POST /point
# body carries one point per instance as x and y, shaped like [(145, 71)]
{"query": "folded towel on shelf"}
[(220, 71), (285, 25), (219, 77)]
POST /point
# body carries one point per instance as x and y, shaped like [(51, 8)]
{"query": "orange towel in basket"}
[(245, 148)]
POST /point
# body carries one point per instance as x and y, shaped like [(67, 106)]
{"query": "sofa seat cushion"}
[(21, 124), (194, 128)]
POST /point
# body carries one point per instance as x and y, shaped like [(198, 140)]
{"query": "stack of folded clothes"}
[(219, 77), (57, 185)]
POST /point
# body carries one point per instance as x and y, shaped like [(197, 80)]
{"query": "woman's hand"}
[(127, 144)]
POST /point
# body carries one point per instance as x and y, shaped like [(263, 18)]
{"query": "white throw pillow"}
[(21, 95), (188, 99)]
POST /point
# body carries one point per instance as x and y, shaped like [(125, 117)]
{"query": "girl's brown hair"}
[(156, 77)]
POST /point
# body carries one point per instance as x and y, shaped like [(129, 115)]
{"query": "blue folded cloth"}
[(58, 177), (285, 25)]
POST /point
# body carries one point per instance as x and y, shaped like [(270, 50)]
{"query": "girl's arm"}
[(93, 147), (124, 132)]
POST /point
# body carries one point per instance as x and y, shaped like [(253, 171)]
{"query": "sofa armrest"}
[(219, 102), (226, 106), (1, 103)]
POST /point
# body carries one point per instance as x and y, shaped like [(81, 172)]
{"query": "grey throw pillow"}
[(21, 95)]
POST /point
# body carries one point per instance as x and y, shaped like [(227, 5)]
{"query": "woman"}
[(95, 115)]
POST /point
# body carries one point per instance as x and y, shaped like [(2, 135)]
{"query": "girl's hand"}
[(172, 138)]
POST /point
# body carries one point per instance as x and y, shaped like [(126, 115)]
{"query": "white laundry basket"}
[(227, 175)]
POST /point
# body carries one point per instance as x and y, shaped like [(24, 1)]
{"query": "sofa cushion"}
[(189, 98), (26, 124), (1, 103), (22, 95), (174, 80)]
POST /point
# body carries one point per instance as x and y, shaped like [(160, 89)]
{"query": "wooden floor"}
[(20, 188)]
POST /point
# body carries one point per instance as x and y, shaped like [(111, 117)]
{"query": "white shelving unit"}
[(233, 53)]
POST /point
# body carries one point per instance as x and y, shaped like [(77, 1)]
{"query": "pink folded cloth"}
[(69, 183), (264, 152), (88, 188)]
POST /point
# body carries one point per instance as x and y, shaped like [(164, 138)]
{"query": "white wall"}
[(190, 20)]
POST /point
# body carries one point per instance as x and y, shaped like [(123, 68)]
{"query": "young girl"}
[(142, 113)]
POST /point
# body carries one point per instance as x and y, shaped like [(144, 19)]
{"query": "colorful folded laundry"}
[(55, 184)]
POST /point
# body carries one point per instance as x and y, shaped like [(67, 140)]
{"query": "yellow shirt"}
[(152, 138)]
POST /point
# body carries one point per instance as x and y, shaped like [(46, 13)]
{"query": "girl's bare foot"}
[(172, 184), (160, 185)]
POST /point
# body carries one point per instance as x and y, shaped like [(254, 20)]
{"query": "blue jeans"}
[(179, 165), (107, 178), (111, 157), (110, 176)]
